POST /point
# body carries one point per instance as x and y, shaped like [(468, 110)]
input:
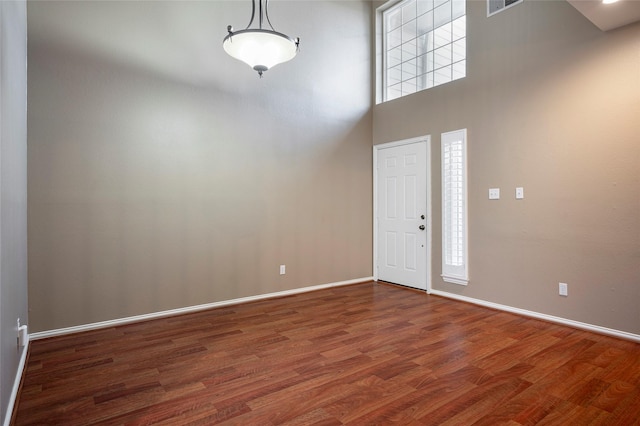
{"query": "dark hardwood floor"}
[(364, 354)]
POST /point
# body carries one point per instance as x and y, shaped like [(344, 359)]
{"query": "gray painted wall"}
[(165, 174), (551, 104), (13, 190)]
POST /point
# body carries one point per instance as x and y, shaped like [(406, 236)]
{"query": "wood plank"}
[(368, 353)]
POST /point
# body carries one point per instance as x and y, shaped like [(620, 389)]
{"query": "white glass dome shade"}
[(260, 49)]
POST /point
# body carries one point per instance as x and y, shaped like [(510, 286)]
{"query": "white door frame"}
[(421, 139)]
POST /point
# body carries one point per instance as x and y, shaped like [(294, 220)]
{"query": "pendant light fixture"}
[(260, 48)]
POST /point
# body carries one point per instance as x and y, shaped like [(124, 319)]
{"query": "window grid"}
[(453, 203), (425, 45)]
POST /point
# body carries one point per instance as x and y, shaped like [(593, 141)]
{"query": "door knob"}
[(421, 227), (421, 216)]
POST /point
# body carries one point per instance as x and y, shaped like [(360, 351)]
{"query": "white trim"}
[(16, 385), (426, 139), (381, 48), (454, 280), (558, 320), (429, 215), (188, 309)]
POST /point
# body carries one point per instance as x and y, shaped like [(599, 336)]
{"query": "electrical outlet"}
[(563, 289), (283, 269), (494, 193)]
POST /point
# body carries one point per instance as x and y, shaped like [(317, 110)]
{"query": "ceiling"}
[(609, 16)]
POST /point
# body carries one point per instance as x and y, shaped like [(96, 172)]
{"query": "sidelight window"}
[(454, 207)]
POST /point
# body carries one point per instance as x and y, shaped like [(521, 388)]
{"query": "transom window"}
[(424, 45)]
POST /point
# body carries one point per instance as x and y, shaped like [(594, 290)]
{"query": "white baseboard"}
[(16, 385), (558, 320), (188, 309)]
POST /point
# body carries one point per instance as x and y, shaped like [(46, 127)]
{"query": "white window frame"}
[(457, 67), (455, 271)]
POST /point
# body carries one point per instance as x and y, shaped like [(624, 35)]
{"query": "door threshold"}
[(402, 286)]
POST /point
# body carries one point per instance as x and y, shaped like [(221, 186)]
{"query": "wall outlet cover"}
[(563, 289)]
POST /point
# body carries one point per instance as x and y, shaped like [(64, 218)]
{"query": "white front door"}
[(401, 214)]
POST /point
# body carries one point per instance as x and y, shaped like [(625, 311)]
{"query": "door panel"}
[(401, 209), (391, 252)]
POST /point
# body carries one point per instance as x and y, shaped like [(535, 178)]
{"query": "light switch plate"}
[(494, 193), (519, 193)]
